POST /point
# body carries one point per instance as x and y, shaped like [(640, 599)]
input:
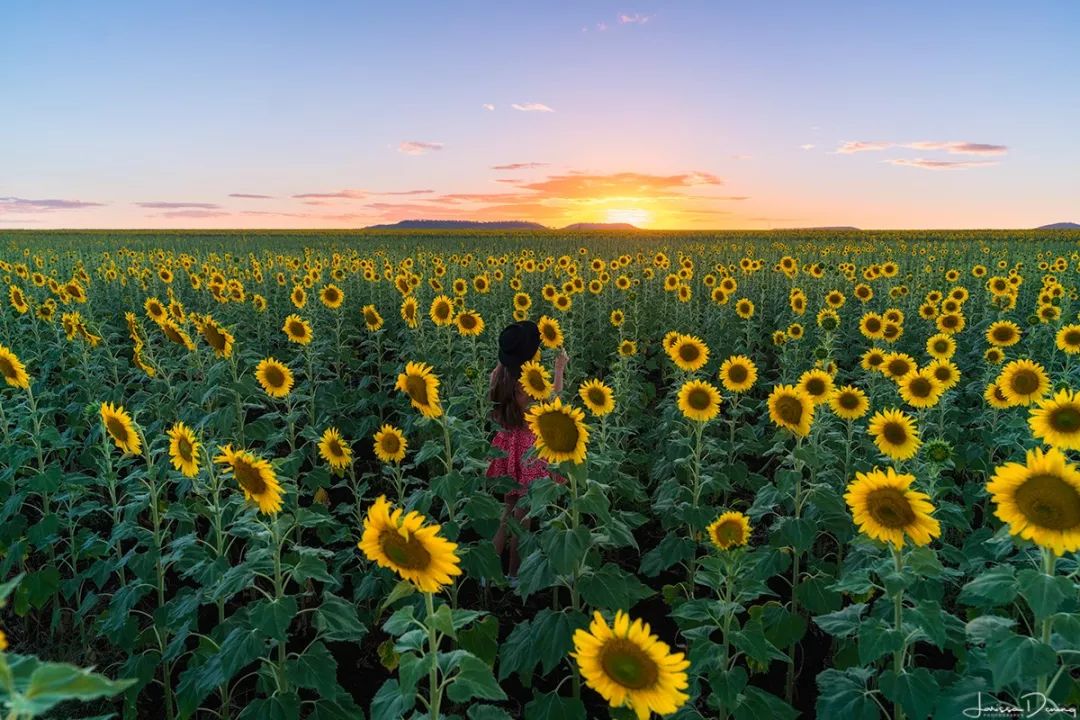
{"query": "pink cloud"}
[(634, 19), (519, 166), (418, 147), (956, 147), (940, 164), (11, 205), (532, 107), (856, 146), (178, 205), (488, 106), (251, 196)]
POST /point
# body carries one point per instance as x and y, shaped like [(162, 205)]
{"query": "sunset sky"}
[(667, 114)]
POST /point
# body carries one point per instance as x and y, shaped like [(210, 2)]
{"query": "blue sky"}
[(668, 114)]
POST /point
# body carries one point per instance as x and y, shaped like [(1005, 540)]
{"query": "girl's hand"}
[(561, 360)]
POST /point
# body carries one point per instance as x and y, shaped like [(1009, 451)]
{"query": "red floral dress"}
[(515, 442)]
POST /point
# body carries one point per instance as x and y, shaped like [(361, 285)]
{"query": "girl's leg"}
[(499, 541), (515, 561)]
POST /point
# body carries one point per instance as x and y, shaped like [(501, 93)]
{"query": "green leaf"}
[(612, 588), (1019, 659), (988, 629), (752, 642), (565, 548), (757, 703), (671, 550), (39, 686), (551, 706), (876, 638), (7, 588), (992, 588), (843, 694), (516, 653), (273, 617), (782, 627), (916, 691), (1044, 593), (553, 635), (930, 618), (727, 684), (336, 619), (487, 712), (482, 639), (315, 669), (443, 621), (310, 567), (390, 703), (842, 623), (534, 574), (797, 533), (279, 706), (474, 680)]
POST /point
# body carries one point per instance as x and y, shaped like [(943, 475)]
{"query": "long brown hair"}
[(506, 395)]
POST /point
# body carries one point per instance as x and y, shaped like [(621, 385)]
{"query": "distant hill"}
[(601, 226), (1059, 226), (459, 225)]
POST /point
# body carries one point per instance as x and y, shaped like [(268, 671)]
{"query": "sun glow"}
[(634, 216)]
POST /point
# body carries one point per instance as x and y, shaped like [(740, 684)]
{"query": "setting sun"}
[(633, 216)]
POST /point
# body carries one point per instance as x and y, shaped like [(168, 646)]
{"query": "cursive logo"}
[(1034, 704)]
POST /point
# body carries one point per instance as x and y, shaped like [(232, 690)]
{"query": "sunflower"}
[(597, 396), (550, 332), (373, 320), (120, 428), (3, 641), (920, 389), (409, 312), (1056, 420), (13, 370), (276, 379), (535, 380), (405, 545), (872, 326), (297, 330), (897, 365), (332, 296), (995, 398), (155, 310), (334, 449), (1023, 382), (617, 318), (950, 323), (849, 402), (941, 346), (390, 444), (255, 476), (184, 449), (630, 667), (738, 374), (689, 353), (744, 308), (1040, 499), (560, 431), (442, 311), (699, 400), (420, 384), (469, 323), (1068, 339), (628, 348), (885, 508), (895, 434), (816, 385), (217, 337), (791, 409), (872, 359), (945, 372), (731, 529), (1003, 333)]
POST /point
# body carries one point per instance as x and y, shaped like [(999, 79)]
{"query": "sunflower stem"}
[(789, 684), (898, 624), (433, 647), (699, 429), (1049, 561)]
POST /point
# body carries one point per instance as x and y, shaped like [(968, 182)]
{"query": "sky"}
[(667, 114)]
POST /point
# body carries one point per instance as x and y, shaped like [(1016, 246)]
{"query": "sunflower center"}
[(873, 324), (789, 409), (558, 431), (899, 368), (1072, 337), (891, 331), (468, 322), (117, 429), (408, 553), (274, 377), (628, 665), (890, 507), (949, 321), (7, 368), (920, 387), (1003, 334), (815, 386), (849, 401), (1049, 501), (391, 444), (1065, 419), (249, 477), (597, 396), (417, 389), (738, 373), (1025, 382), (699, 399), (727, 533), (895, 433), (335, 448), (442, 310), (689, 353), (184, 449), (297, 329), (535, 380)]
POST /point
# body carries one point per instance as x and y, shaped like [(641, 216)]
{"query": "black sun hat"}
[(518, 344)]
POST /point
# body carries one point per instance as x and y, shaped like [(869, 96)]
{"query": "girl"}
[(518, 344)]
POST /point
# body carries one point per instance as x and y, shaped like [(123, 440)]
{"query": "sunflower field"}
[(793, 474)]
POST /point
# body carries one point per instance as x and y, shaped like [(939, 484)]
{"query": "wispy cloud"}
[(178, 205), (940, 164), (634, 19), (955, 147), (11, 205), (857, 146), (519, 166), (531, 107), (251, 196), (488, 106), (346, 194), (418, 147), (193, 213), (807, 146)]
